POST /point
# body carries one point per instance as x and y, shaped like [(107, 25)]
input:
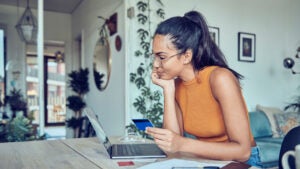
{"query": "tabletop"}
[(68, 154)]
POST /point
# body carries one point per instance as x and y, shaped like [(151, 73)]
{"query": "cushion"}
[(287, 121), (259, 124), (268, 152), (270, 111), (270, 140)]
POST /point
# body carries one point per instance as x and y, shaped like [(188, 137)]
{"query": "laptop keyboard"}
[(135, 149), (127, 149)]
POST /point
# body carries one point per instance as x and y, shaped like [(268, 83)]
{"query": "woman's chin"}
[(166, 77)]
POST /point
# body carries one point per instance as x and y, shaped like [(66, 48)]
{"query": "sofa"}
[(268, 145), (269, 125)]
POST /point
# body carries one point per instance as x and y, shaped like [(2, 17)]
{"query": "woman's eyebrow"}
[(158, 53)]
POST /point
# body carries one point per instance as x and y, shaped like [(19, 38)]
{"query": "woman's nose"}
[(155, 63)]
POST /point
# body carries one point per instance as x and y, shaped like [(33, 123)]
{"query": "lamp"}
[(59, 57), (27, 26), (289, 62)]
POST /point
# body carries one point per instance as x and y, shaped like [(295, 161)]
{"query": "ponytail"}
[(191, 32)]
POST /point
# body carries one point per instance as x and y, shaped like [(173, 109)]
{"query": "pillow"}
[(260, 125), (270, 111), (286, 122)]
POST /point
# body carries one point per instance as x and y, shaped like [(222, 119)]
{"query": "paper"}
[(168, 164)]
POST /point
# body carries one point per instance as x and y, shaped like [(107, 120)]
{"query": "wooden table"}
[(83, 153)]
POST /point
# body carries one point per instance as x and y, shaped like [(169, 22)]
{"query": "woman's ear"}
[(188, 55)]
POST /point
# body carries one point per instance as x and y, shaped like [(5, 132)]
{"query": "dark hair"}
[(191, 32)]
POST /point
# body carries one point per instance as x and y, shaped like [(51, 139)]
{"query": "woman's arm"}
[(172, 119), (227, 92)]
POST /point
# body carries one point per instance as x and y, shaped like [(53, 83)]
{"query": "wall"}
[(276, 26), (110, 103)]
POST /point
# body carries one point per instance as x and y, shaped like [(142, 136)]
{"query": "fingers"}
[(159, 134), (156, 130), (154, 76)]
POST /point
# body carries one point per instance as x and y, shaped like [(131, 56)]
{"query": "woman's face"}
[(167, 63)]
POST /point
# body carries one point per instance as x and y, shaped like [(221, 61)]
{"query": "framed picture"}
[(215, 34), (246, 47)]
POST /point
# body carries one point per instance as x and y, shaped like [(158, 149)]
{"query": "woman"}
[(202, 95)]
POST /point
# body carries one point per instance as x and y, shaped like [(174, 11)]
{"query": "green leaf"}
[(147, 55), (132, 77), (142, 6), (140, 70), (161, 13), (146, 91), (159, 1), (140, 82), (143, 34), (142, 18), (145, 45), (138, 53), (156, 95), (139, 104)]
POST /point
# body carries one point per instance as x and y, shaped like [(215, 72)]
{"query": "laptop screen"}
[(98, 128)]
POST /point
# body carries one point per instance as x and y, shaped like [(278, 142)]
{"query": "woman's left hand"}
[(166, 139)]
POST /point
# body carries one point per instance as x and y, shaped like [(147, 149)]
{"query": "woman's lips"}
[(159, 74)]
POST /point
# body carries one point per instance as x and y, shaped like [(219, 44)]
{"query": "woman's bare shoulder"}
[(220, 74)]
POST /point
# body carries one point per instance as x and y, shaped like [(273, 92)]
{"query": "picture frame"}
[(215, 34), (246, 47)]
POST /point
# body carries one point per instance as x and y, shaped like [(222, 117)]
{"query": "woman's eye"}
[(161, 57)]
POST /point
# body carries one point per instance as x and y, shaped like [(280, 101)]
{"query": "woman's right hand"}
[(164, 83)]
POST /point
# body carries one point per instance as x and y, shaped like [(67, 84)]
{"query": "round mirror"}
[(102, 63)]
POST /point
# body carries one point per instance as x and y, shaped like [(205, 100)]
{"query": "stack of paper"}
[(169, 164)]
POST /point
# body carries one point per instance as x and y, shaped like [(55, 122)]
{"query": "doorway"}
[(54, 86)]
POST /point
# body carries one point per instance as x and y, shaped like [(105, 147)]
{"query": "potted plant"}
[(16, 102), (78, 82), (19, 127)]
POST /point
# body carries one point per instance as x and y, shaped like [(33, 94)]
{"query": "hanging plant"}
[(148, 102)]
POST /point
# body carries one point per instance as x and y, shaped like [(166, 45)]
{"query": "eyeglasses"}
[(161, 60)]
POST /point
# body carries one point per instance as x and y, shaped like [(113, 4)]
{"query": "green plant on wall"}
[(148, 102), (294, 105), (78, 82)]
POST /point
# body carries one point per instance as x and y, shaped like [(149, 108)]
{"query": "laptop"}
[(123, 151)]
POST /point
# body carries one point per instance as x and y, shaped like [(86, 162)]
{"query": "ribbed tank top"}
[(202, 115)]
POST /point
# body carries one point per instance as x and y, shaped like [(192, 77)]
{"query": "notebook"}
[(123, 151)]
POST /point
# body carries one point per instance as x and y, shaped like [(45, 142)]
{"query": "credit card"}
[(141, 124)]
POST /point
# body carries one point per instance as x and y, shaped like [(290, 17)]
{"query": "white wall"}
[(110, 103)]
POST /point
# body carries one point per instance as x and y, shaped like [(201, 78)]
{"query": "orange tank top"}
[(202, 115)]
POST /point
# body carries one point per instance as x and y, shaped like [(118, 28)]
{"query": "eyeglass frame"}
[(155, 57)]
